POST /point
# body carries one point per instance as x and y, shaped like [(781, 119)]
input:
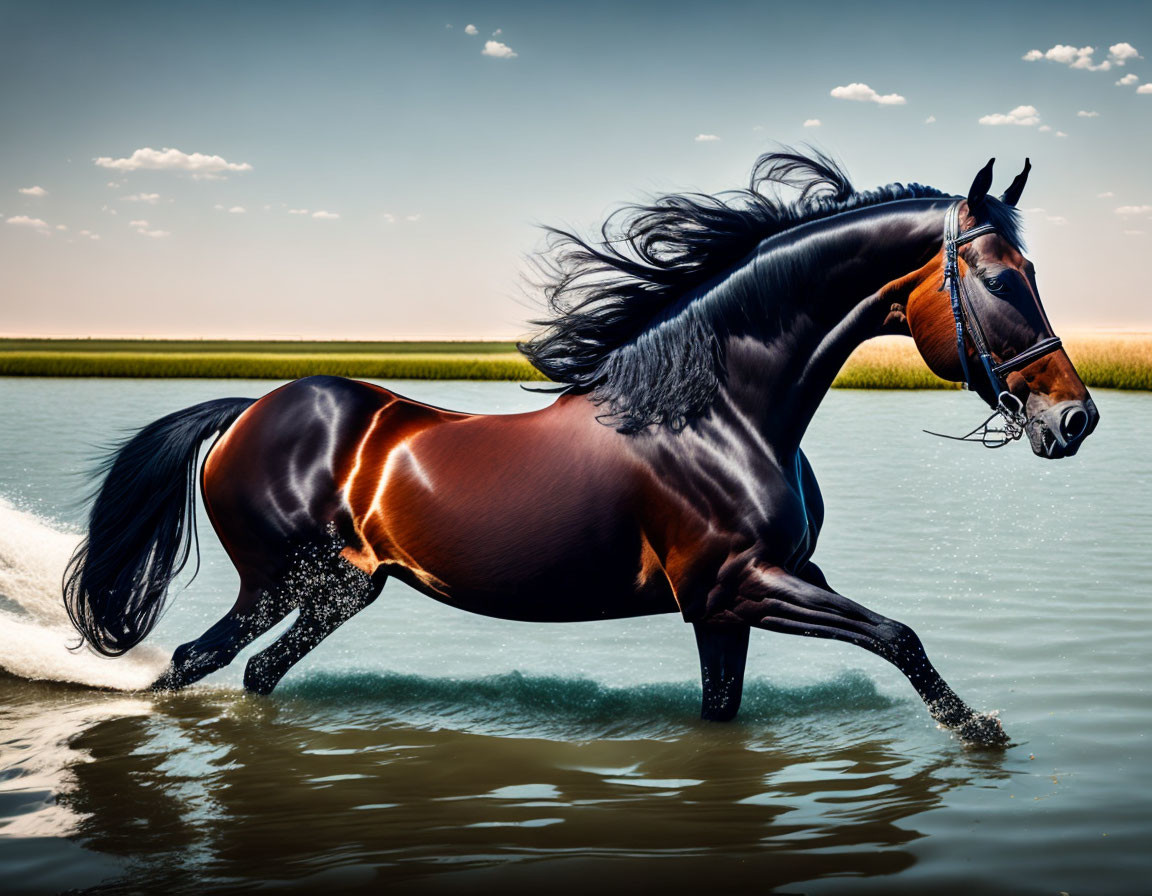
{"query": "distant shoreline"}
[(1104, 360)]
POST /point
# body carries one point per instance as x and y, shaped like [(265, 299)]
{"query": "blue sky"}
[(431, 153)]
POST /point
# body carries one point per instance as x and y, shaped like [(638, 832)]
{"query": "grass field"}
[(1114, 361)]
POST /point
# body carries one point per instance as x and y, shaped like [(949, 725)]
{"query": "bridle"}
[(1006, 405)]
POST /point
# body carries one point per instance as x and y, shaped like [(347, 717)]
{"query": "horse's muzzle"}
[(1059, 430)]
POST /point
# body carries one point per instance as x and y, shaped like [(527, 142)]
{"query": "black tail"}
[(141, 527)]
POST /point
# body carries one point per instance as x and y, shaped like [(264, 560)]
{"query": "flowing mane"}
[(623, 318)]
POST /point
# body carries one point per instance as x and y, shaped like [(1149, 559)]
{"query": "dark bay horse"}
[(691, 348)]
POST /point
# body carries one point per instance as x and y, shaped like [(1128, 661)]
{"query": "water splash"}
[(35, 634), (513, 704)]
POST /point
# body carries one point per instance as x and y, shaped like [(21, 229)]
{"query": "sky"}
[(380, 170)]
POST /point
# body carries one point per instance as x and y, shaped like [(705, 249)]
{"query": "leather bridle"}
[(968, 323), (968, 327)]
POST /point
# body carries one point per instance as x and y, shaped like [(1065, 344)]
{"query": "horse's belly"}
[(551, 600), (521, 550), (531, 566)]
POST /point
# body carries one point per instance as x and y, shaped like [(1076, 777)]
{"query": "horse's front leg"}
[(769, 597)]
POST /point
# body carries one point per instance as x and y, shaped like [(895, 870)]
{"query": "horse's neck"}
[(777, 375)]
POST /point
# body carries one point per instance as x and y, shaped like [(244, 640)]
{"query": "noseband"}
[(968, 327)]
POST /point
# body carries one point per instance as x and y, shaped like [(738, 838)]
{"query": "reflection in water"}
[(219, 788)]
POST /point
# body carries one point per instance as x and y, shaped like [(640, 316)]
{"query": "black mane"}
[(623, 323)]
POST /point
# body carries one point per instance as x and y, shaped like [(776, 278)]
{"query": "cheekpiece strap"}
[(965, 315)]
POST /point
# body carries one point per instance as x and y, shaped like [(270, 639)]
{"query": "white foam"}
[(35, 633)]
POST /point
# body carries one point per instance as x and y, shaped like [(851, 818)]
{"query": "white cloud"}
[(1068, 55), (114, 185), (61, 226), (931, 119), (237, 210), (150, 198), (169, 159), (1128, 80), (141, 227), (297, 211), (812, 122), (1082, 57), (1024, 116), (1145, 88), (499, 50), (415, 217), (1086, 114), (1052, 219), (497, 32), (471, 30), (1107, 194), (388, 217), (1122, 210), (862, 93), (325, 216), (706, 138), (1044, 128), (34, 223), (1122, 52), (1133, 233), (1061, 134), (33, 191)]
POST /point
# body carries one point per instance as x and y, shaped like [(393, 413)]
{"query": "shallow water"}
[(435, 751)]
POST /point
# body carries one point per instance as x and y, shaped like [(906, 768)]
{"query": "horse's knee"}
[(902, 646)]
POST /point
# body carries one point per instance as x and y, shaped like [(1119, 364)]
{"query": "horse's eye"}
[(995, 286)]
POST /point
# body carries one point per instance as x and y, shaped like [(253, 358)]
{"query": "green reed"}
[(1113, 362)]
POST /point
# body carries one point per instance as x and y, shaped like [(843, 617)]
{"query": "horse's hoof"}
[(165, 684), (983, 731)]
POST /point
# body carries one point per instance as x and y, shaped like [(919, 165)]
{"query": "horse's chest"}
[(786, 532), (772, 506)]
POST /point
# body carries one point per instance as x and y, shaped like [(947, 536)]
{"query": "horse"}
[(689, 349)]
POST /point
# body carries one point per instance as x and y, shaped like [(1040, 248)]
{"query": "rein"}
[(1012, 428), (1007, 406)]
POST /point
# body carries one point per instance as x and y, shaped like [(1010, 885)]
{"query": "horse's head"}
[(976, 317)]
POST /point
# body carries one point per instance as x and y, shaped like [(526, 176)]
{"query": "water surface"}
[(429, 750)]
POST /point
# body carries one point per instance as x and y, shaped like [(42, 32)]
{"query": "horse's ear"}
[(980, 186), (1012, 194)]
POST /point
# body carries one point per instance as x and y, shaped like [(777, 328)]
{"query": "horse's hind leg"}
[(723, 652), (254, 612), (338, 593)]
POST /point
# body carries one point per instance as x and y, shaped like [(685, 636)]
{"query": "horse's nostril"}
[(1074, 423)]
